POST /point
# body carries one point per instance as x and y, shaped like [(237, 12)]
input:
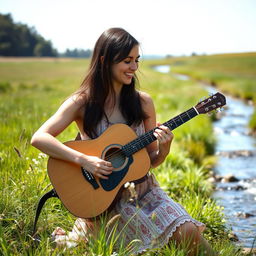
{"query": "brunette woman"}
[(108, 95)]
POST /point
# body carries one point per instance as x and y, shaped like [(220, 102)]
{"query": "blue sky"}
[(163, 27)]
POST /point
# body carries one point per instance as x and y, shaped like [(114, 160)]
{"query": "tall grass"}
[(32, 90)]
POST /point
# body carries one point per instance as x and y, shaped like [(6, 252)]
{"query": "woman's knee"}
[(189, 237), (187, 231)]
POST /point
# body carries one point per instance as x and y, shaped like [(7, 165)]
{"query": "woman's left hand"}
[(164, 136)]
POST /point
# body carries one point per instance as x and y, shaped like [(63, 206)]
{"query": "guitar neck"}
[(147, 138)]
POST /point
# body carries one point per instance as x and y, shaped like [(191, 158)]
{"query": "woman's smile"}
[(124, 71)]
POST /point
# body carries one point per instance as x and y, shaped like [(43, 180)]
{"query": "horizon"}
[(176, 28)]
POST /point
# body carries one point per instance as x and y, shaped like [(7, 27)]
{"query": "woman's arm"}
[(44, 139), (159, 149)]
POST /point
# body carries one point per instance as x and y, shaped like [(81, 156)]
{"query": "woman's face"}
[(124, 71)]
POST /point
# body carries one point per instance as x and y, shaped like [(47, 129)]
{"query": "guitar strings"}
[(139, 141), (148, 135)]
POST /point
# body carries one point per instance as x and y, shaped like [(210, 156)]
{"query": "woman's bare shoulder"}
[(72, 107), (146, 100), (78, 99)]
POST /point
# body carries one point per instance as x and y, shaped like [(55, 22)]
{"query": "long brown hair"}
[(114, 45)]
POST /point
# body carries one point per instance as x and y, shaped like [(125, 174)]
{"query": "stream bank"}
[(235, 172)]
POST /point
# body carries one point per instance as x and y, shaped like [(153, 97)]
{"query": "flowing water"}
[(236, 151)]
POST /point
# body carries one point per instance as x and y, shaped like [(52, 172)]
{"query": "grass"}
[(31, 90)]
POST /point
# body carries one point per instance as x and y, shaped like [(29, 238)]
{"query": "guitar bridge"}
[(90, 178)]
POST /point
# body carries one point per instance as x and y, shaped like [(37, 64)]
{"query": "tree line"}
[(17, 39)]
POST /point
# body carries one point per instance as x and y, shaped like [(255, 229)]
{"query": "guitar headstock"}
[(215, 101)]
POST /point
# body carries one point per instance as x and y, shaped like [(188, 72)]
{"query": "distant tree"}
[(77, 53), (20, 40), (86, 53), (8, 37), (44, 48)]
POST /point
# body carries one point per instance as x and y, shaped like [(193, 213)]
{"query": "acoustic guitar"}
[(87, 196)]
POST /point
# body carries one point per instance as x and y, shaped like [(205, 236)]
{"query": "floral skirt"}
[(146, 214)]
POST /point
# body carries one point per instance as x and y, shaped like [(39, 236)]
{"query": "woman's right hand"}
[(97, 166)]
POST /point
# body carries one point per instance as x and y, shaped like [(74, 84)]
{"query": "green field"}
[(234, 74), (30, 91)]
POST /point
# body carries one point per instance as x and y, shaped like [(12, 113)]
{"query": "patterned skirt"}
[(146, 214)]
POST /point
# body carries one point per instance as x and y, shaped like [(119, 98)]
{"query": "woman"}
[(107, 96)]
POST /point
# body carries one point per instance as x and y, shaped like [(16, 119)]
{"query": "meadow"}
[(232, 73), (30, 92)]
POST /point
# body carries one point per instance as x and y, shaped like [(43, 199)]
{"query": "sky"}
[(173, 27)]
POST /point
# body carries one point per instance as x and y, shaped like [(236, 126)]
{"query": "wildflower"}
[(132, 185), (36, 162), (133, 192), (131, 188), (127, 184)]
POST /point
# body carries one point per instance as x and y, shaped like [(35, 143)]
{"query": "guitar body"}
[(85, 198)]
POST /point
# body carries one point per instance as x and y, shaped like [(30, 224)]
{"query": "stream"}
[(236, 166)]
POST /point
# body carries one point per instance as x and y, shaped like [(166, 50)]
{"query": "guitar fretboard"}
[(147, 138)]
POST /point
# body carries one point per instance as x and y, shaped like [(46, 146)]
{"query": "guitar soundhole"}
[(115, 155)]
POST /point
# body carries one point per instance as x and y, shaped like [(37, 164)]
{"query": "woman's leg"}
[(188, 234)]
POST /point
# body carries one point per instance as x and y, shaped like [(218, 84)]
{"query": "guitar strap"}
[(42, 200)]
